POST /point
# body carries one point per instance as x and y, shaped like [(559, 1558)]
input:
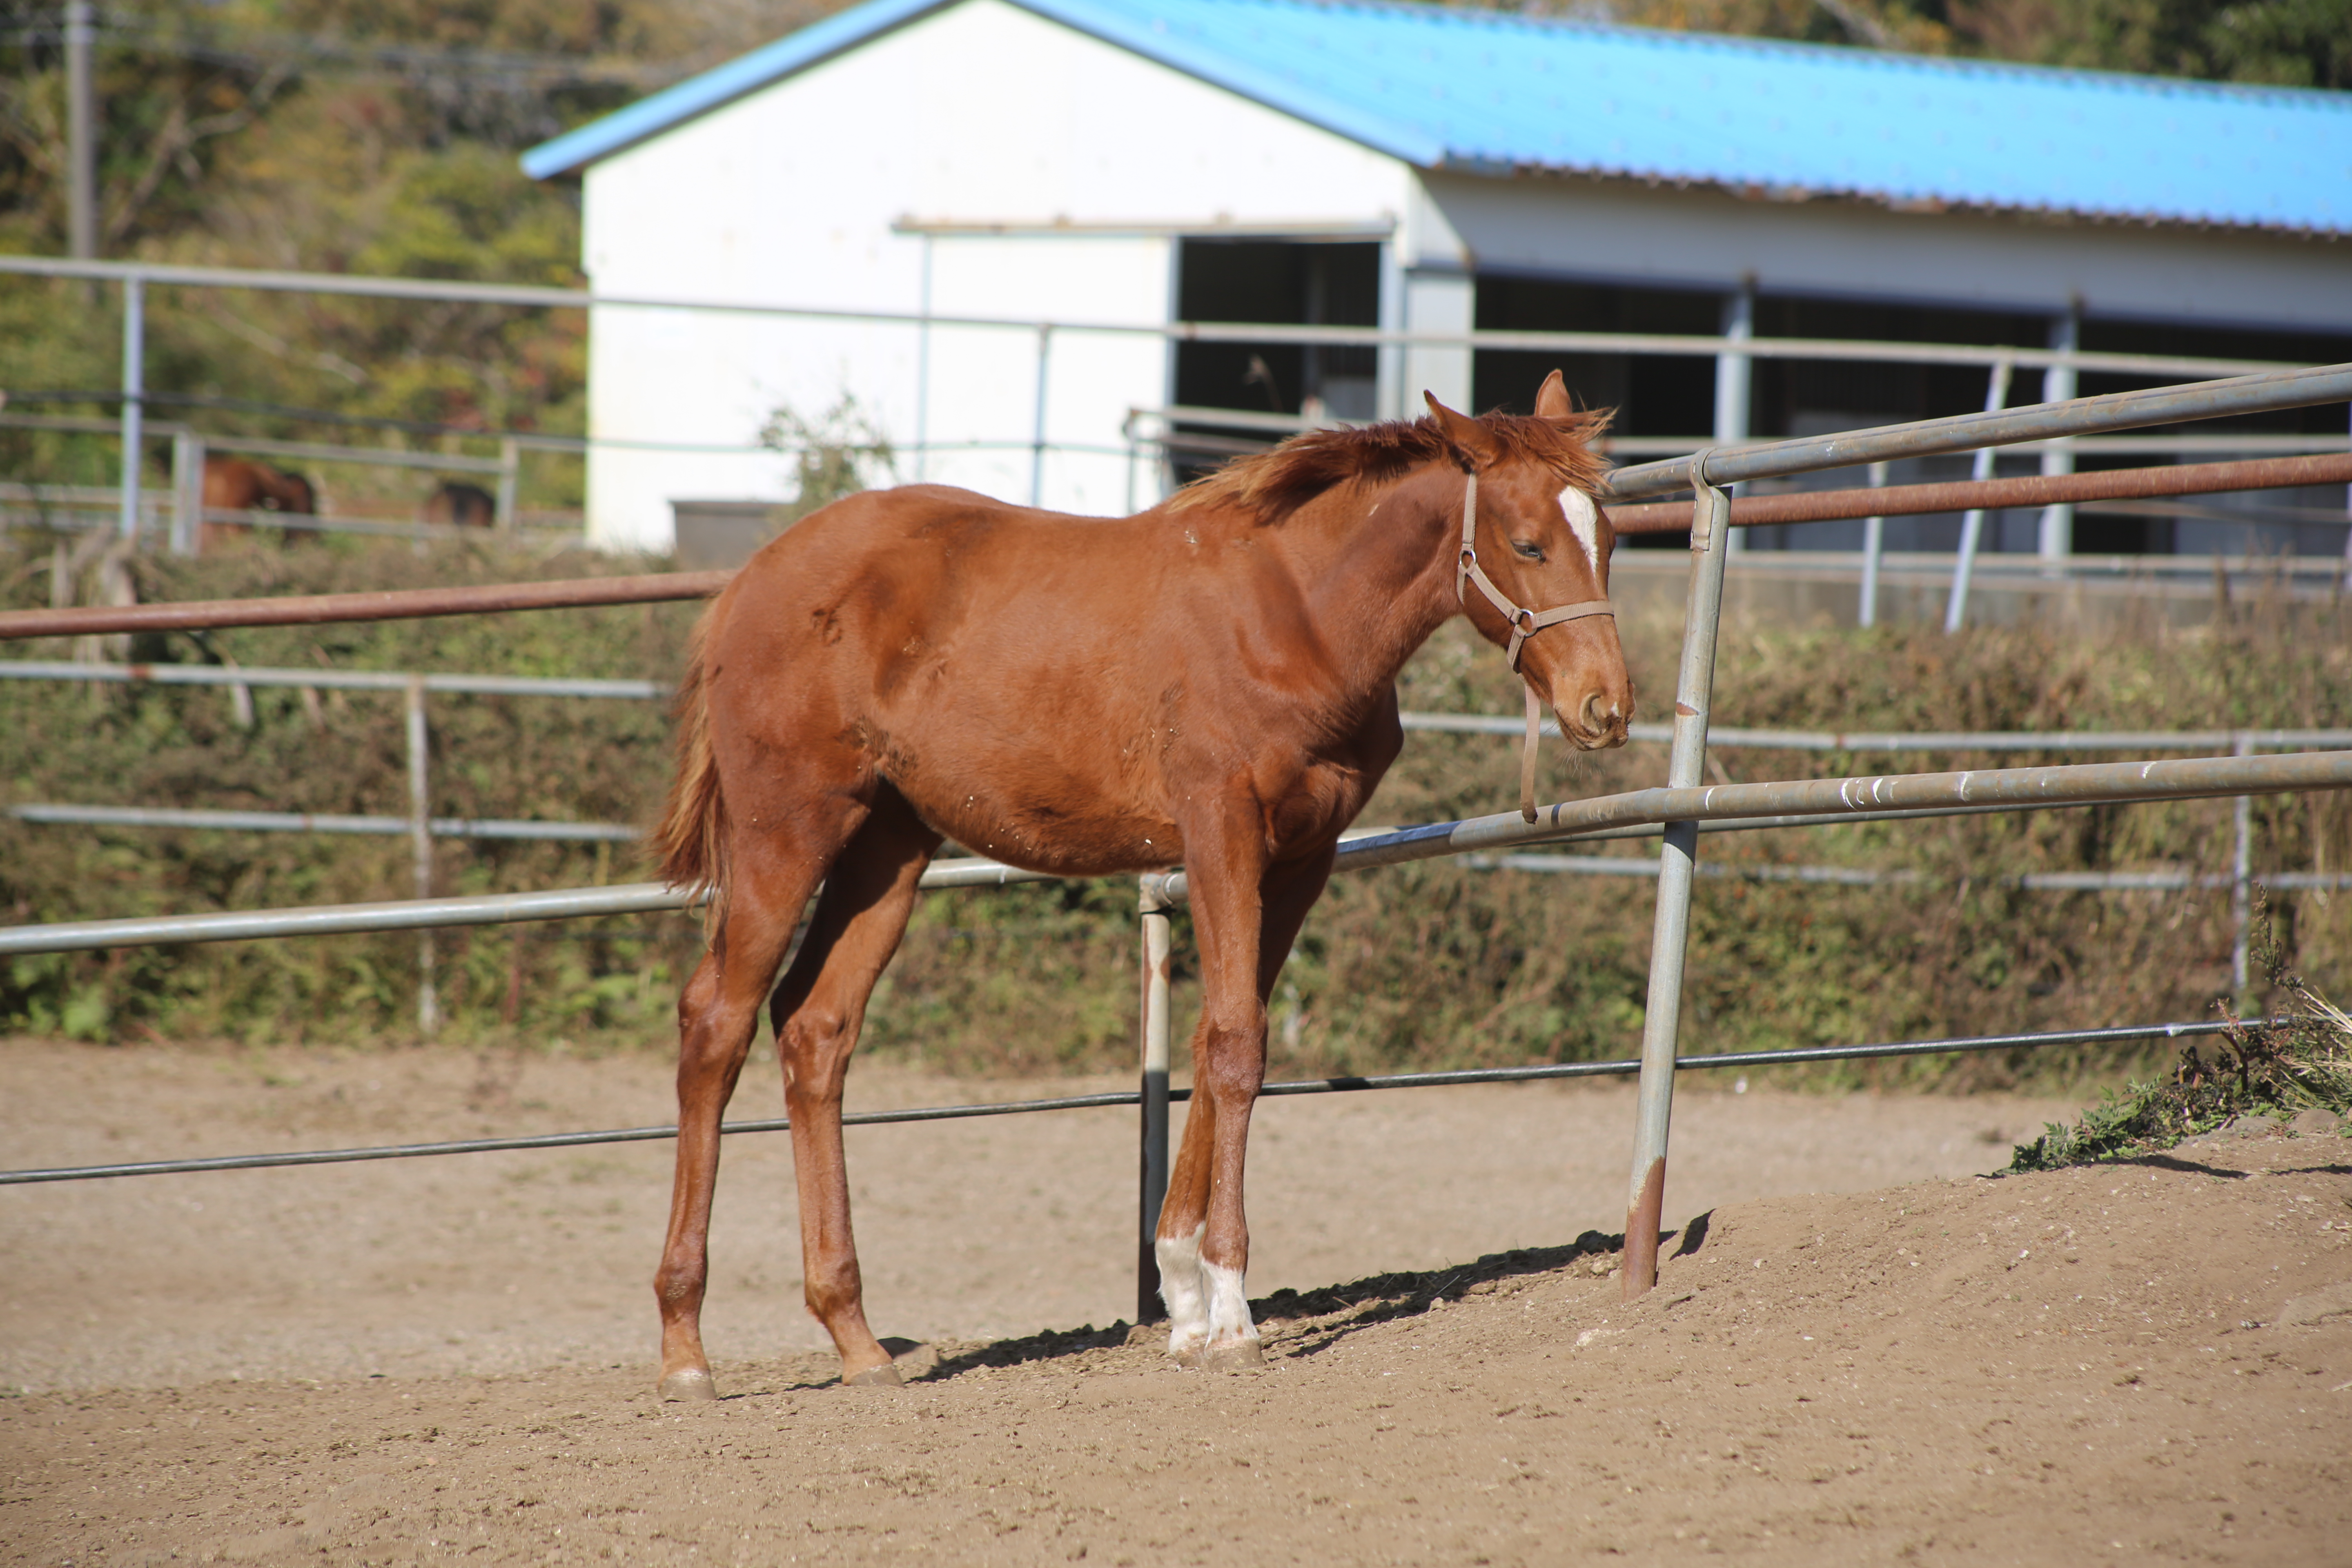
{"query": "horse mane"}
[(1269, 486)]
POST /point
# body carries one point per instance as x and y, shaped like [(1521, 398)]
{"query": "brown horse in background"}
[(458, 505), (237, 484), (1210, 683)]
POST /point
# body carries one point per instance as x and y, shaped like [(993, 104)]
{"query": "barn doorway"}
[(1278, 282)]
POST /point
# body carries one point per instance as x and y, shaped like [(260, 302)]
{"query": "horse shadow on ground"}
[(1306, 1323), (2199, 1168)]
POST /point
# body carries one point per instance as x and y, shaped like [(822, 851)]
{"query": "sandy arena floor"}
[(448, 1360)]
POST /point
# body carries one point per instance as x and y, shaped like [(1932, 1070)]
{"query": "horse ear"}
[(1552, 398), (1466, 436)]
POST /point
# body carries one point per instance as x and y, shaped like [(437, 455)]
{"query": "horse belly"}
[(1043, 808)]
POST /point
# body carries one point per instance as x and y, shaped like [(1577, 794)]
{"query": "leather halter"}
[(1525, 624)]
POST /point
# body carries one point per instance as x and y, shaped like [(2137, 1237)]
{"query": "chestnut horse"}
[(235, 484), (1210, 683), (456, 505)]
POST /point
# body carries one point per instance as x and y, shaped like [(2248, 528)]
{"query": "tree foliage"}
[(2283, 43), (370, 137)]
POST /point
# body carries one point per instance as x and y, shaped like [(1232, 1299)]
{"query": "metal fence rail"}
[(385, 604), (2012, 789), (1867, 877), (139, 275), (1733, 350), (329, 680), (1990, 494), (308, 822), (1446, 723), (1548, 1070), (1731, 806), (1966, 432)]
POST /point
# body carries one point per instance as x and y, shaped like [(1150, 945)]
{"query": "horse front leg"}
[(819, 1010), (717, 1017), (1246, 917)]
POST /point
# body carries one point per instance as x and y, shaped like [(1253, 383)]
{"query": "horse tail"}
[(692, 838)]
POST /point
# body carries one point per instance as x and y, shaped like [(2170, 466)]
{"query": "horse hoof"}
[(883, 1376), (692, 1384), (1234, 1355), (1186, 1353)]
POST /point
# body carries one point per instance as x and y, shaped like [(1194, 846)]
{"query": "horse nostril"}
[(1595, 718)]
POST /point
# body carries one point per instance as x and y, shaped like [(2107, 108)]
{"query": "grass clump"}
[(2297, 1058)]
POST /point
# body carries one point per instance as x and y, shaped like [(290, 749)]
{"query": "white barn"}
[(1139, 162)]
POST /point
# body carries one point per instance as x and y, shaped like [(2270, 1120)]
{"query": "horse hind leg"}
[(717, 1015), (818, 1012)]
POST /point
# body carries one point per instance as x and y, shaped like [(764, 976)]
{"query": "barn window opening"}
[(1796, 397), (2308, 520), (1278, 282), (1653, 396)]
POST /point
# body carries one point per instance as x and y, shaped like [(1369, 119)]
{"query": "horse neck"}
[(1378, 568)]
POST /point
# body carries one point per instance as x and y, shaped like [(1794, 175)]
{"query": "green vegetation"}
[(2276, 43), (1435, 965), (378, 138), (2297, 1059)]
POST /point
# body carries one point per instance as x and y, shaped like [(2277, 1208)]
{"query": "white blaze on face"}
[(1585, 519)]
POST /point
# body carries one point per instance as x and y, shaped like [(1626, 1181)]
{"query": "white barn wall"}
[(789, 196), (982, 382)]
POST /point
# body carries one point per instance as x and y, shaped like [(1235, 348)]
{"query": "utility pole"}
[(81, 143)]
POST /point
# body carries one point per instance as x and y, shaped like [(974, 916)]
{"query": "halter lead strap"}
[(1525, 624)]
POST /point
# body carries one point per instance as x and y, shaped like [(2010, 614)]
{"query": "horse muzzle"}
[(1599, 723)]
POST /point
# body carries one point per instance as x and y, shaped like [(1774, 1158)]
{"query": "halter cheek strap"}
[(1525, 624)]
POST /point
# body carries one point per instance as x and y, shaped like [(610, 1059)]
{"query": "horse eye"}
[(1527, 549)]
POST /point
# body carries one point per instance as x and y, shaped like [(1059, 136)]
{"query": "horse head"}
[(1538, 541), (293, 492)]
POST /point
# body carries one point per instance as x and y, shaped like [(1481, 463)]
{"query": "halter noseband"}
[(1525, 624)]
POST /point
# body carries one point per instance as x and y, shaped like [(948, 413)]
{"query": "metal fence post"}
[(509, 466), (134, 388), (2241, 889), (1678, 865), (1955, 608), (1874, 546), (1037, 426), (1154, 904), (420, 843), (81, 138), (187, 492), (2056, 540), (1734, 376)]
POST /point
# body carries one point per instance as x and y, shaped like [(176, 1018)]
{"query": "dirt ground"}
[(1858, 1350)]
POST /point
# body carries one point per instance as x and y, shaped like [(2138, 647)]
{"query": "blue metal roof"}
[(1488, 93)]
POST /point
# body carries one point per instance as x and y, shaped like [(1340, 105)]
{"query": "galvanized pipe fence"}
[(422, 828), (1679, 810), (1733, 350)]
